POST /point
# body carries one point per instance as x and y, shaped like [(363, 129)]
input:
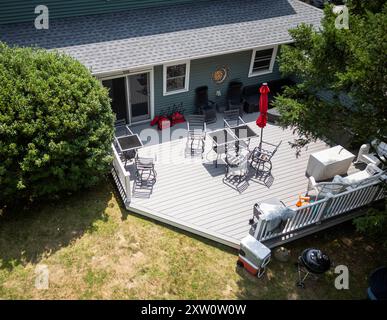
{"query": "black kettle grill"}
[(311, 261)]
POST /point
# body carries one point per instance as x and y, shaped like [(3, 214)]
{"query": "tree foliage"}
[(349, 64), (56, 125), (362, 6), (373, 223)]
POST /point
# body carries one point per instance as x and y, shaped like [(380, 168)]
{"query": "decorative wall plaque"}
[(220, 75)]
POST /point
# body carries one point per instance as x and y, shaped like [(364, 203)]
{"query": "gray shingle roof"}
[(144, 37)]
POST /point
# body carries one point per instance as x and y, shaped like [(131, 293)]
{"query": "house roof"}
[(144, 37)]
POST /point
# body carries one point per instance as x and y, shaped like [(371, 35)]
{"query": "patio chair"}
[(223, 149), (365, 156), (236, 166), (128, 156), (232, 118), (235, 100), (321, 190), (145, 171), (251, 96), (121, 128), (119, 122), (204, 105), (340, 184), (260, 158), (196, 131), (370, 174)]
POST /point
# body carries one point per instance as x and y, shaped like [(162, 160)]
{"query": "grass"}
[(94, 249)]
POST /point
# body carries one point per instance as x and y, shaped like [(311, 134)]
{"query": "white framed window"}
[(262, 61), (176, 77)]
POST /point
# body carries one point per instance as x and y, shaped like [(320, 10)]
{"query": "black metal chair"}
[(235, 100), (121, 128), (236, 166), (204, 105), (232, 118), (196, 131), (119, 122), (145, 171), (260, 158)]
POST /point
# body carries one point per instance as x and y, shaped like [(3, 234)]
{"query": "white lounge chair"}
[(368, 175), (324, 189), (365, 156), (340, 184)]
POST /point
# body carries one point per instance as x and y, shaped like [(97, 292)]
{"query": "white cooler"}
[(253, 256)]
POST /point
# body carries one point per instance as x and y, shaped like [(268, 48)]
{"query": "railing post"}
[(380, 187), (324, 210), (128, 189)]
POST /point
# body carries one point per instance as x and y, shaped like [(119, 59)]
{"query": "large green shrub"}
[(56, 125)]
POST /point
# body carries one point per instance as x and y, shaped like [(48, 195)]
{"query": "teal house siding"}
[(13, 11), (238, 65), (116, 38)]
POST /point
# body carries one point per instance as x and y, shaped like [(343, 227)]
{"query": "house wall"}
[(238, 65), (12, 11)]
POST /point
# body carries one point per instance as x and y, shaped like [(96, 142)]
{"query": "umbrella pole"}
[(260, 143)]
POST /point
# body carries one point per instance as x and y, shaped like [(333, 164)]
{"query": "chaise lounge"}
[(340, 184)]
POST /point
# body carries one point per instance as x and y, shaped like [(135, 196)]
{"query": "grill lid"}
[(315, 261)]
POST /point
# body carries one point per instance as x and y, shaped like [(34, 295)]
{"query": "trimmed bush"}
[(56, 125)]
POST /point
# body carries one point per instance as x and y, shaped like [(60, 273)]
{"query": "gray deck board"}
[(190, 192)]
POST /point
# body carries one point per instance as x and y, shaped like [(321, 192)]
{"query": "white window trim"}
[(187, 73), (272, 61)]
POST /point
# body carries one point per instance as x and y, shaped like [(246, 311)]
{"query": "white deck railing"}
[(318, 212), (121, 177)]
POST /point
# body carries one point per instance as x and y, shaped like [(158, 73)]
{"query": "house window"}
[(176, 77), (262, 61)]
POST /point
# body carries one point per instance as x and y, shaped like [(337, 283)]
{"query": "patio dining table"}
[(244, 132), (128, 145), (222, 139)]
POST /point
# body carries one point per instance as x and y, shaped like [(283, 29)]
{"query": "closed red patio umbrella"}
[(263, 106)]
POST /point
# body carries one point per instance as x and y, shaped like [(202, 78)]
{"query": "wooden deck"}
[(190, 192)]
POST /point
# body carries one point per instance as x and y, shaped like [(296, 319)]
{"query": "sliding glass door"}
[(139, 96), (117, 92), (131, 99)]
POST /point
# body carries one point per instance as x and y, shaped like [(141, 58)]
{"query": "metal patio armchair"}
[(205, 106), (260, 158), (236, 166), (145, 170), (232, 118), (196, 131), (121, 128), (235, 100)]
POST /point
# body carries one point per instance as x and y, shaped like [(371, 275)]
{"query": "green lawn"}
[(94, 249)]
